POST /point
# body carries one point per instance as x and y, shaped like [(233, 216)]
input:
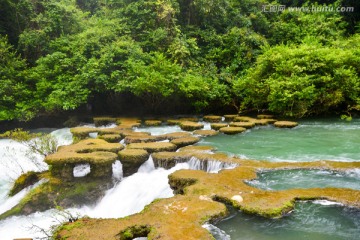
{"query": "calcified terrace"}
[(200, 196)]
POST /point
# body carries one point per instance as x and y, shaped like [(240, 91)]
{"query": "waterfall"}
[(133, 193), (127, 197), (211, 166), (216, 232)]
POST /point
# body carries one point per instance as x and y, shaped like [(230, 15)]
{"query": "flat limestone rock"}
[(243, 119), (152, 122), (190, 126), (181, 142), (206, 133), (212, 118), (217, 126), (111, 138), (132, 159), (265, 116), (153, 146), (175, 135), (285, 124), (232, 130), (230, 117), (89, 150), (242, 124)]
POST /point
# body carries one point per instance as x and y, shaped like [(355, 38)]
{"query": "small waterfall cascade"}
[(210, 166), (133, 193)]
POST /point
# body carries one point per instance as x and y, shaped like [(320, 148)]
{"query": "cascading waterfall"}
[(211, 166)]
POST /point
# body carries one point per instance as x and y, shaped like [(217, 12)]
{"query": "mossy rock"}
[(65, 194), (111, 138), (190, 126), (212, 118), (285, 124), (206, 133), (217, 126), (143, 139), (230, 117), (260, 122), (128, 123), (132, 159), (242, 124), (172, 122), (102, 121), (271, 121), (176, 135), (197, 148), (243, 119), (97, 152), (232, 130), (116, 130), (153, 146), (181, 142), (152, 122), (265, 116), (128, 133), (169, 159), (80, 133), (25, 180), (189, 119)]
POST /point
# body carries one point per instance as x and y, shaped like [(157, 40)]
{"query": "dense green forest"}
[(181, 55)]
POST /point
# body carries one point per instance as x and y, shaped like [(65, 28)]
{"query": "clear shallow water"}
[(309, 221), (311, 140), (274, 180)]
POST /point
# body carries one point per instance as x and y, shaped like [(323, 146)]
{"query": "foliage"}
[(39, 143), (305, 79), (60, 55)]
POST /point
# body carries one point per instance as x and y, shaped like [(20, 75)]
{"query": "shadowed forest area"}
[(177, 56)]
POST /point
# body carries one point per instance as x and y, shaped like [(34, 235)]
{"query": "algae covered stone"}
[(96, 152), (111, 138), (143, 138), (260, 122), (190, 126), (153, 146), (217, 126), (212, 118), (265, 116), (230, 117), (243, 119), (242, 124), (232, 130), (102, 121), (285, 124), (181, 142), (132, 159), (206, 133), (152, 122), (175, 135)]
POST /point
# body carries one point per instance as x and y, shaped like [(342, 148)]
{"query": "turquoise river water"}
[(313, 140)]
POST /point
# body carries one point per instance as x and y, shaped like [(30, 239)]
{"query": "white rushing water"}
[(129, 196)]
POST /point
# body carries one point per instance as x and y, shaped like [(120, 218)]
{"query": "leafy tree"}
[(153, 79), (15, 90), (303, 80)]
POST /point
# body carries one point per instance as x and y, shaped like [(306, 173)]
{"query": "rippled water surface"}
[(311, 140), (309, 221), (287, 179)]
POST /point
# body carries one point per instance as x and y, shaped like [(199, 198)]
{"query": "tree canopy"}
[(198, 55)]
